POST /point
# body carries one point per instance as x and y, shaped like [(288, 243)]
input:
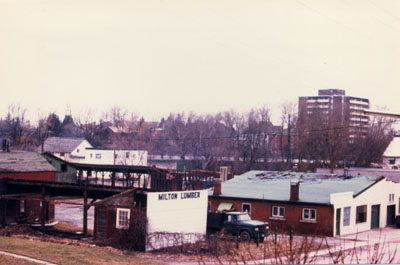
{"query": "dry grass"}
[(14, 261), (70, 254)]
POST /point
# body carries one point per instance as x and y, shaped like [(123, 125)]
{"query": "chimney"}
[(217, 187), (294, 190), (223, 173)]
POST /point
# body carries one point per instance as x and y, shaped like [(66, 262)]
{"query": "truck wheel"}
[(245, 236)]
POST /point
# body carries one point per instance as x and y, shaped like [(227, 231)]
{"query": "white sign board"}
[(176, 217)]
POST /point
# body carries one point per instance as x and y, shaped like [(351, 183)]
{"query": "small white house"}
[(374, 207), (391, 156), (70, 149)]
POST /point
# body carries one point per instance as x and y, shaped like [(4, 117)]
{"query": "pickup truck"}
[(237, 223)]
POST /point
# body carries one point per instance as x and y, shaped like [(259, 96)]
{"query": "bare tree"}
[(16, 125), (289, 121), (87, 124), (252, 134)]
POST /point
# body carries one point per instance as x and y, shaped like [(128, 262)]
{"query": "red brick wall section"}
[(262, 211), (42, 176)]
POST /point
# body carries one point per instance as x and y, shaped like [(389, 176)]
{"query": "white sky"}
[(159, 56)]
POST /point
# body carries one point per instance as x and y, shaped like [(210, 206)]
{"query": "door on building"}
[(338, 215), (375, 211), (391, 215)]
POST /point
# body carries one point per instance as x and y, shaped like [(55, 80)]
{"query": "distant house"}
[(105, 156), (391, 156), (66, 148), (311, 203), (25, 166)]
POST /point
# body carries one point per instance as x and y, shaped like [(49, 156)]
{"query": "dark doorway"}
[(338, 215), (375, 211), (391, 215)]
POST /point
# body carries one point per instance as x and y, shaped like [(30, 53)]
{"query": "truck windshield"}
[(243, 217)]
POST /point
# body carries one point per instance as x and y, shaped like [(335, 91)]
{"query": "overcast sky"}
[(159, 56)]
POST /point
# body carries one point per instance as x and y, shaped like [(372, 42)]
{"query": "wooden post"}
[(4, 216), (113, 179), (85, 210), (3, 190), (42, 210)]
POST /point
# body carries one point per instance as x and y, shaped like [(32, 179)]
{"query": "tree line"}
[(244, 141)]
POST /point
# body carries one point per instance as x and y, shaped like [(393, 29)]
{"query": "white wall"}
[(115, 157), (173, 217), (79, 151), (377, 194)]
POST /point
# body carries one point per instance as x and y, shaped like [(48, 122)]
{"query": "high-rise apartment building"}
[(345, 111)]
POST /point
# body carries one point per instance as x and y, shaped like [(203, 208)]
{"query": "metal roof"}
[(275, 186), (61, 144), (23, 162)]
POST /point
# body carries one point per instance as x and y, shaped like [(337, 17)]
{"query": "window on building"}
[(346, 216), (278, 211), (62, 154), (246, 207), (391, 197), (98, 156), (63, 167), (392, 161), (123, 216), (115, 156), (77, 150), (209, 206), (361, 214), (91, 155), (309, 214), (127, 154)]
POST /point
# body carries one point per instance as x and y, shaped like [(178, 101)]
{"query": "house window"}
[(209, 206), (278, 211), (115, 156), (91, 155), (246, 207), (62, 154), (392, 161), (127, 155), (77, 150), (63, 167), (361, 214), (98, 156), (123, 216), (309, 214), (391, 197), (346, 216)]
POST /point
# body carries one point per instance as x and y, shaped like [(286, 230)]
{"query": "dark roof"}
[(61, 144), (23, 162)]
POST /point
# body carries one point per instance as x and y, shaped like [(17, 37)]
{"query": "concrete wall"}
[(175, 218)]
